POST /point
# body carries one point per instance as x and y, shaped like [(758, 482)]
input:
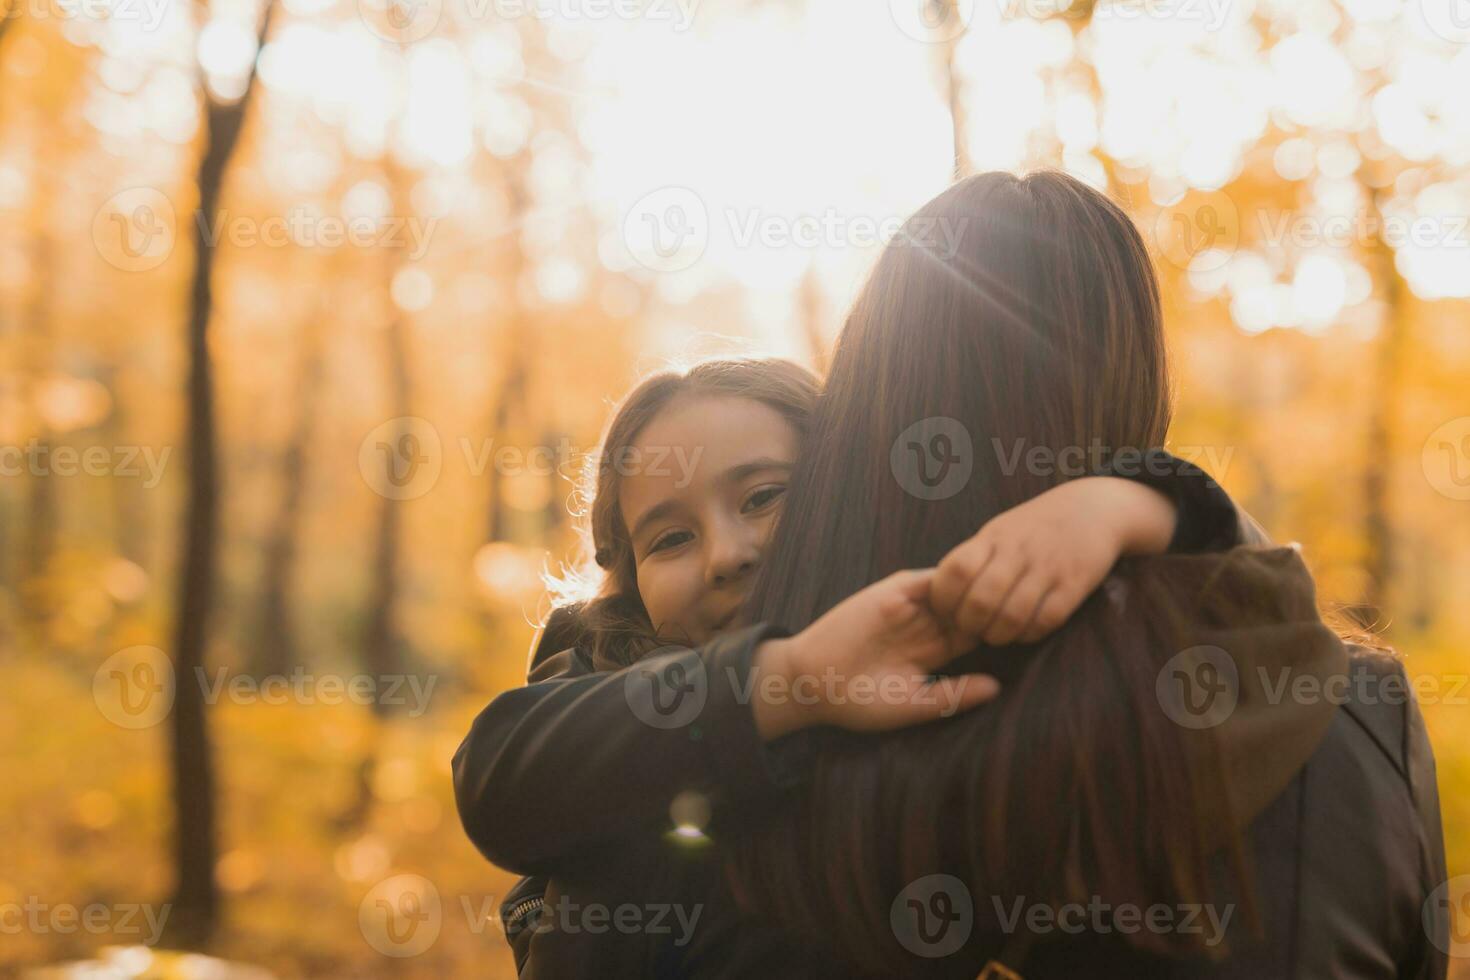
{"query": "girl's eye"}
[(670, 539), (763, 497)]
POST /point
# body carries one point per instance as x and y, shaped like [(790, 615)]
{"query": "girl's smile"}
[(698, 534)]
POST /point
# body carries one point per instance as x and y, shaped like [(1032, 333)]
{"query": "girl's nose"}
[(733, 558), (724, 575)]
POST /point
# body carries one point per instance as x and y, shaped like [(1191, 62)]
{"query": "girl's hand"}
[(866, 665), (1028, 569)]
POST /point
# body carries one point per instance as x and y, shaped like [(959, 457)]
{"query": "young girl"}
[(684, 496)]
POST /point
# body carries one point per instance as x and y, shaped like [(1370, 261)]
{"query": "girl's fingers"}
[(913, 584), (986, 595), (916, 583), (953, 695), (1028, 632), (1017, 611), (920, 641), (934, 699), (898, 597), (956, 572), (937, 652), (919, 699), (1050, 615), (960, 643)]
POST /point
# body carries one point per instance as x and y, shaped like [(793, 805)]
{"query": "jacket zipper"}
[(520, 910)]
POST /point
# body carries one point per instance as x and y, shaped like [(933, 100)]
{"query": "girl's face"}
[(701, 489)]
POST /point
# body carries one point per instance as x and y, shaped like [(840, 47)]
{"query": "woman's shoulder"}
[(1371, 844), (1381, 698)]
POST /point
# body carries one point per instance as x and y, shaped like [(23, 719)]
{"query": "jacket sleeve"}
[(553, 655), (1208, 519), (1429, 959), (552, 769)]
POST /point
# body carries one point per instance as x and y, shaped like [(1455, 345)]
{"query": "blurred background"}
[(310, 310)]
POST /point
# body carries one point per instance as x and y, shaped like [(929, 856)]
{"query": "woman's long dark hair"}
[(1040, 337)]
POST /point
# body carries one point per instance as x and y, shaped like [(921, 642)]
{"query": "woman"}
[(1087, 781)]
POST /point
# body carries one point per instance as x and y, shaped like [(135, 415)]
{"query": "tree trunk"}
[(1081, 20), (809, 311), (40, 517), (276, 650), (129, 515), (1386, 396), (41, 505), (953, 89), (196, 899), (380, 649), (380, 642), (509, 408), (511, 402)]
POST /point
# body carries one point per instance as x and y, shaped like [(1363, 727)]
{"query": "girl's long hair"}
[(612, 623), (1034, 346)]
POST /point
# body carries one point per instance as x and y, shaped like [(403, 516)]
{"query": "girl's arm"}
[(554, 769), (553, 654), (1027, 570)]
